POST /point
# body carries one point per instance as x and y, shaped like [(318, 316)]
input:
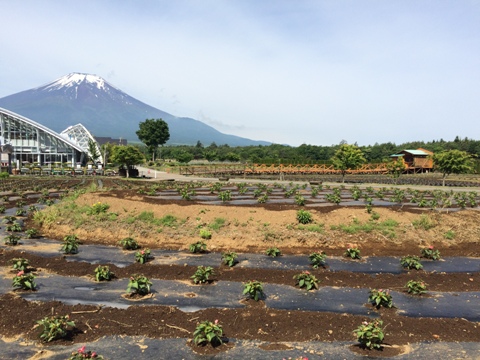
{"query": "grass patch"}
[(217, 224), (386, 227), (449, 235), (317, 228), (425, 222)]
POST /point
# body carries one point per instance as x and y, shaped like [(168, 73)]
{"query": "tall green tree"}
[(127, 156), (153, 132), (93, 153), (452, 162), (347, 157)]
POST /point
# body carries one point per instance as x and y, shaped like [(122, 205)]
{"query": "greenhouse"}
[(25, 142)]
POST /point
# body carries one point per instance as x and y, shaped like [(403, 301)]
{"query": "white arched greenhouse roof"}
[(34, 142), (81, 136)]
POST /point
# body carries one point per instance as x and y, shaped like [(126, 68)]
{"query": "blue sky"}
[(290, 72)]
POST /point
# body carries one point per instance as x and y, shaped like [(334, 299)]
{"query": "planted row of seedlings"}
[(370, 334), (304, 193)]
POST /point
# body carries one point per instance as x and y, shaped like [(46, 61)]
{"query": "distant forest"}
[(306, 154)]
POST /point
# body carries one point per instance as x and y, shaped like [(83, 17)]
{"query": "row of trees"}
[(303, 154), (448, 158)]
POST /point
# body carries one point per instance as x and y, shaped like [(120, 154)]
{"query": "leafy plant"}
[(202, 274), (31, 233), (2, 209), (306, 280), (208, 332), (254, 289), (81, 354), (317, 259), (416, 287), (370, 335), (229, 258), (70, 244), (98, 208), (139, 284), (216, 187), (9, 219), (333, 198), (14, 227), (205, 234), (198, 247), (263, 199), (411, 262), (20, 264), (32, 209), (103, 273), (304, 216), (299, 200), (54, 327), (21, 212), (11, 239), (225, 195), (430, 253), (352, 253), (142, 256), (24, 281), (380, 298), (273, 252), (129, 243)]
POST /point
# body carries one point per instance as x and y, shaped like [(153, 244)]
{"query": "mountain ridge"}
[(106, 110)]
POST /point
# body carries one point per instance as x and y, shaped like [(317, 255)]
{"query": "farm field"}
[(385, 224)]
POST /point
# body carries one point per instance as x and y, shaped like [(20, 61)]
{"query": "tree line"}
[(304, 154), (154, 133)]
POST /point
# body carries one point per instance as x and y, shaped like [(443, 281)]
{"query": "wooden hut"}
[(419, 160)]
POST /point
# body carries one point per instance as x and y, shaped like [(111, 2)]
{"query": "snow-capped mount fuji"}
[(106, 111)]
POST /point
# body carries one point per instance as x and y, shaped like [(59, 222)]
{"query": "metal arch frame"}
[(41, 127), (81, 136)]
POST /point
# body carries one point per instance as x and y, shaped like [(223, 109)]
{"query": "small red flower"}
[(20, 273), (82, 349)]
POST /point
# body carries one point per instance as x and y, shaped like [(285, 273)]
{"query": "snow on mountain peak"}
[(74, 80)]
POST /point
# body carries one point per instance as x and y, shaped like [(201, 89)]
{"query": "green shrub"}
[(430, 253), (208, 332), (24, 281), (370, 335), (103, 273), (142, 256), (254, 289), (273, 252), (54, 327), (129, 243), (20, 264), (416, 287), (205, 234), (411, 262), (202, 274), (380, 298), (70, 244), (139, 284), (198, 247), (229, 258), (317, 259), (306, 280), (304, 216)]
